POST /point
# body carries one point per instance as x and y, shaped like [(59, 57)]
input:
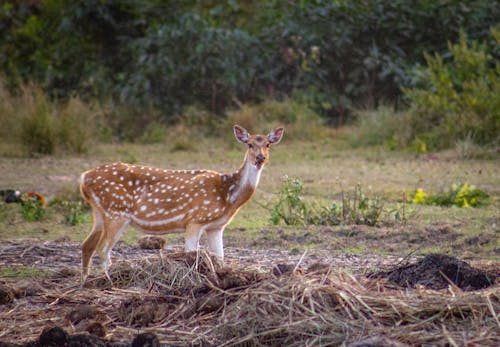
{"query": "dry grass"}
[(190, 299)]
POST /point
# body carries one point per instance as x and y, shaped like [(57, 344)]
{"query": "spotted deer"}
[(159, 201)]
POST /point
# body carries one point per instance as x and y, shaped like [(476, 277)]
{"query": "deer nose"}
[(260, 158)]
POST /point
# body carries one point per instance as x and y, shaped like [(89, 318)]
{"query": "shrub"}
[(77, 126), (43, 126), (462, 195), (37, 123), (355, 208), (154, 133), (383, 126), (457, 97), (31, 209)]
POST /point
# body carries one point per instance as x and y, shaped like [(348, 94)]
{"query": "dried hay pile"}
[(190, 299)]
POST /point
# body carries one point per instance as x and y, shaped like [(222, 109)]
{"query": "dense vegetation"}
[(147, 61)]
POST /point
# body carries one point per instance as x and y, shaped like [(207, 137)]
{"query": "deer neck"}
[(243, 183)]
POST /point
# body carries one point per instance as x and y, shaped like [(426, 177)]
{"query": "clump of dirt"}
[(229, 278), (6, 295), (152, 242), (143, 311), (80, 313), (54, 335), (146, 340), (436, 271)]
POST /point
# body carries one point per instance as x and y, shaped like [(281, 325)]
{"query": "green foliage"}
[(457, 96), (75, 212), (154, 133), (355, 208), (290, 208), (215, 65), (152, 54), (462, 195), (32, 210), (454, 103), (23, 272)]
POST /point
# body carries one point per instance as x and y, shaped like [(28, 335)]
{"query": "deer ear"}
[(275, 135), (241, 134)]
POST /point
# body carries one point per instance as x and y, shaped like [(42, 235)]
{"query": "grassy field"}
[(319, 277), (327, 168)]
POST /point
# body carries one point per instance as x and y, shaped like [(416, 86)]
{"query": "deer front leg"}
[(215, 244), (192, 237)]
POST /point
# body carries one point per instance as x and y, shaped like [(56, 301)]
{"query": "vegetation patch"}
[(462, 195), (355, 208)]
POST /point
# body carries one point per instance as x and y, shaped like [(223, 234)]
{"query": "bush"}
[(462, 195), (355, 208), (454, 103), (43, 126), (331, 55), (457, 96), (37, 123), (383, 126)]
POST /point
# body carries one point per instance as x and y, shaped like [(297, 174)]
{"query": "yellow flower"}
[(461, 198), (420, 196)]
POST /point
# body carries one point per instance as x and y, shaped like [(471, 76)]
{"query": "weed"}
[(31, 209), (359, 209), (355, 208), (290, 208), (462, 195), (75, 212)]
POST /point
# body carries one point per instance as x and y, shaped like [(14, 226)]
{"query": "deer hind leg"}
[(90, 244), (215, 245), (112, 230)]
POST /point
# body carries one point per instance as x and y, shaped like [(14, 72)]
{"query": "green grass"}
[(326, 167), (23, 272)]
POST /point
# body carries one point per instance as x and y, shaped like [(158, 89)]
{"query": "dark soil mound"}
[(436, 271)]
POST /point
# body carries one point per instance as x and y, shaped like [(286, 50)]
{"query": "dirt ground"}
[(187, 299)]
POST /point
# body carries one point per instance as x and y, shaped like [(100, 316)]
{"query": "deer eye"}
[(250, 146), (268, 145)]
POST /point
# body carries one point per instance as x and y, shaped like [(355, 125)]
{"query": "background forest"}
[(423, 74)]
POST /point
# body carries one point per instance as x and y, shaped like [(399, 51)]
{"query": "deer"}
[(161, 201)]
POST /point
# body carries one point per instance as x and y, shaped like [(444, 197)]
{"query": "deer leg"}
[(113, 229), (192, 237), (215, 245), (90, 243)]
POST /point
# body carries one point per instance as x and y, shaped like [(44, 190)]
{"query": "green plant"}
[(32, 210), (154, 133), (456, 98), (355, 208), (462, 195), (75, 213), (290, 208)]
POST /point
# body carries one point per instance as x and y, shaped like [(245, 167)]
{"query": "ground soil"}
[(50, 305)]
